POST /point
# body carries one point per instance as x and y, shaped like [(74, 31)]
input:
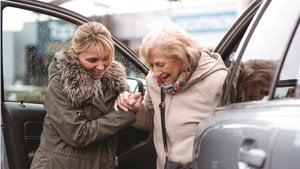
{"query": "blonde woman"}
[(80, 128)]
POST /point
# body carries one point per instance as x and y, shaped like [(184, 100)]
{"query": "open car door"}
[(28, 44)]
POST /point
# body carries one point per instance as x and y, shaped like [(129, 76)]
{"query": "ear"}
[(74, 53)]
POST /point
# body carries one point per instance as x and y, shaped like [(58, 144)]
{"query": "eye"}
[(92, 60), (160, 64), (106, 58), (157, 64)]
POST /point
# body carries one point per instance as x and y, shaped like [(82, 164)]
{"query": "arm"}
[(74, 128), (145, 112), (145, 115)]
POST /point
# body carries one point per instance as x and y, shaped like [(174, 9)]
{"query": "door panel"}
[(233, 143), (31, 33), (22, 124)]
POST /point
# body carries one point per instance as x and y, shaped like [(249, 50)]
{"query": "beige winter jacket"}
[(80, 128), (191, 104)]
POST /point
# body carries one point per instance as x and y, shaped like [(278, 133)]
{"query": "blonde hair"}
[(173, 40), (93, 34)]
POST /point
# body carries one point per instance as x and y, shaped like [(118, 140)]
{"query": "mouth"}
[(164, 78), (97, 75)]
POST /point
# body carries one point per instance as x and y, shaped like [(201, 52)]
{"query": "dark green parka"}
[(80, 127)]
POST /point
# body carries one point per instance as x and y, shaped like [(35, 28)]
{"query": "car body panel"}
[(260, 134), (222, 138)]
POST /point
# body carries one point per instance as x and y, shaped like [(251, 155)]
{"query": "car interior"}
[(27, 51)]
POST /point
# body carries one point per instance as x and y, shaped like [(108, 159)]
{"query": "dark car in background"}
[(257, 134)]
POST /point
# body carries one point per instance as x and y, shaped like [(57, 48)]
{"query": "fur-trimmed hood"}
[(79, 85)]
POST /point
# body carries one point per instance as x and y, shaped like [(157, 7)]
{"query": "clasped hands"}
[(128, 102)]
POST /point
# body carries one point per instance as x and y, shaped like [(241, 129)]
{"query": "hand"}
[(127, 101)]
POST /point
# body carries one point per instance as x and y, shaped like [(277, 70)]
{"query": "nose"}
[(100, 66), (156, 71)]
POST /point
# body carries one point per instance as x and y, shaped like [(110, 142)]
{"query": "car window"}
[(131, 70), (290, 72), (29, 43), (259, 54)]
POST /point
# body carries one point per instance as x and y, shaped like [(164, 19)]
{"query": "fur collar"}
[(79, 84)]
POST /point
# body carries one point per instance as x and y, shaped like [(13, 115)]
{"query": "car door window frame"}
[(262, 6), (125, 55), (277, 84)]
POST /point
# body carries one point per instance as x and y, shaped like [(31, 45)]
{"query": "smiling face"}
[(164, 67), (95, 62)]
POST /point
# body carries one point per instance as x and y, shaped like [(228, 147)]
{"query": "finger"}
[(138, 103), (124, 108), (140, 99), (122, 99), (116, 106), (135, 96), (121, 103), (126, 99)]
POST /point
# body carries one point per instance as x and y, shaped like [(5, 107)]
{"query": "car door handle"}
[(252, 157)]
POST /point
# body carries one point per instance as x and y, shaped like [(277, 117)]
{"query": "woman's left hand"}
[(127, 101)]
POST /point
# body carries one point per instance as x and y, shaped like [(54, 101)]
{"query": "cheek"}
[(88, 66), (174, 75), (107, 63), (174, 72), (174, 69)]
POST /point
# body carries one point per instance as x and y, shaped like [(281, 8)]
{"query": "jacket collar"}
[(79, 84)]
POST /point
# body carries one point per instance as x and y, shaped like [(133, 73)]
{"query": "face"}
[(256, 92), (164, 67), (94, 62)]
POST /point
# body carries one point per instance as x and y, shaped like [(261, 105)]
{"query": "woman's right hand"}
[(127, 101)]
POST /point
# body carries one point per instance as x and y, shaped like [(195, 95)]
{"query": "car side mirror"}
[(136, 85)]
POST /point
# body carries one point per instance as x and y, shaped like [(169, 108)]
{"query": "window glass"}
[(29, 42), (290, 72), (134, 74), (131, 69), (261, 49)]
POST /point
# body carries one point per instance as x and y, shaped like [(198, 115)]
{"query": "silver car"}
[(260, 132)]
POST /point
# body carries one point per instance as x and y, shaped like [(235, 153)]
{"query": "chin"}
[(167, 83), (97, 77)]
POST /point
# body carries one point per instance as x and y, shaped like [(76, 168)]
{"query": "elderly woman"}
[(80, 128), (190, 78)]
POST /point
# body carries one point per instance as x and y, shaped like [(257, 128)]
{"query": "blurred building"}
[(207, 20)]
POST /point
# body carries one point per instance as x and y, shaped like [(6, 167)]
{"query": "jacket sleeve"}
[(76, 130), (144, 118)]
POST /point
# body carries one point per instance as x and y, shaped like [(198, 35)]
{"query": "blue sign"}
[(206, 22)]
